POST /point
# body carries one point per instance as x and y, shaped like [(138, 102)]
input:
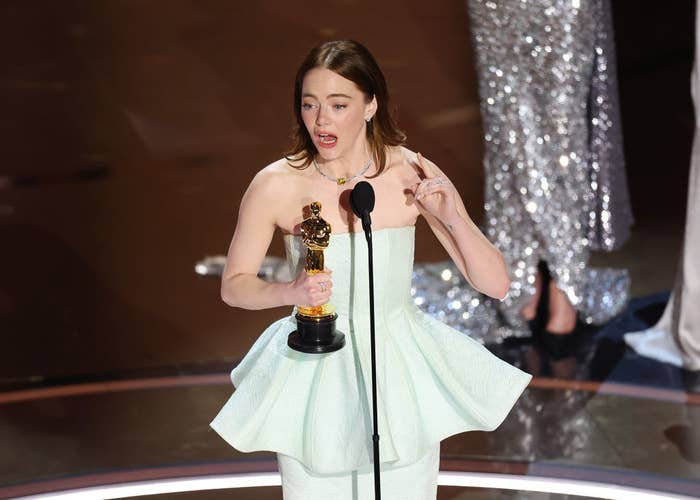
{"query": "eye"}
[(307, 106), (340, 106)]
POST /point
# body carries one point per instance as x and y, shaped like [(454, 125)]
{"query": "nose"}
[(322, 116)]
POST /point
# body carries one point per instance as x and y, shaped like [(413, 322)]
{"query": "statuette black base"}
[(316, 335)]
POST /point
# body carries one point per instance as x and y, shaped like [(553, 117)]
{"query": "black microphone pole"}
[(362, 202), (375, 436)]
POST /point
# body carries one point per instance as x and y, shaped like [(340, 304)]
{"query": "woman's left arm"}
[(479, 261)]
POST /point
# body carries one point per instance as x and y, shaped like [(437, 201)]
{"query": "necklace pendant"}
[(340, 181)]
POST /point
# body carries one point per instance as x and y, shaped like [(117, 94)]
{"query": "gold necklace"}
[(342, 180)]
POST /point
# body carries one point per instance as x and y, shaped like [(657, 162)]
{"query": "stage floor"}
[(604, 415)]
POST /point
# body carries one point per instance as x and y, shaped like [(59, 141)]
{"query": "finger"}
[(327, 284), (426, 166), (319, 298), (420, 172), (324, 286), (429, 192), (431, 184), (324, 279), (434, 181), (432, 191)]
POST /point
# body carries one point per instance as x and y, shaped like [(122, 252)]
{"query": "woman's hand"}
[(477, 259), (311, 289), (435, 193)]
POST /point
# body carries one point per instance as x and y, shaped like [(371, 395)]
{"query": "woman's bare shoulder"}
[(404, 153), (411, 163), (272, 192), (411, 157), (403, 163), (278, 175)]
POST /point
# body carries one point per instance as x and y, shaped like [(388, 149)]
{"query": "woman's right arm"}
[(240, 285)]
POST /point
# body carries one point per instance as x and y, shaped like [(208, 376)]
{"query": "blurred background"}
[(129, 131)]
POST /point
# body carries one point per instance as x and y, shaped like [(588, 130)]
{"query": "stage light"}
[(267, 479)]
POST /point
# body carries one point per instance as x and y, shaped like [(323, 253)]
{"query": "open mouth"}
[(327, 140)]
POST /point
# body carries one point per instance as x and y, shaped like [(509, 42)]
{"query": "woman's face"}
[(334, 111)]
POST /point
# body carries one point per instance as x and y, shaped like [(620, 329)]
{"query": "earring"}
[(368, 119)]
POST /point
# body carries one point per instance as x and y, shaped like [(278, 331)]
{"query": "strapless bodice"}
[(347, 257)]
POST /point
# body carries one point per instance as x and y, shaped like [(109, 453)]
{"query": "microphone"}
[(362, 203)]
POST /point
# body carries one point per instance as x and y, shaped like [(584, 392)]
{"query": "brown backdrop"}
[(131, 128)]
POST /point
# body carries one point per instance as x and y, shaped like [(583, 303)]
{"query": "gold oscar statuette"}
[(316, 331)]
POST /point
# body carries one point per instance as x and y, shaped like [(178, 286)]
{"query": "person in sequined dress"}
[(554, 173)]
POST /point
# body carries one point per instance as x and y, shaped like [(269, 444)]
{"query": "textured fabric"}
[(440, 290), (610, 216), (555, 184), (417, 481), (676, 337), (432, 381)]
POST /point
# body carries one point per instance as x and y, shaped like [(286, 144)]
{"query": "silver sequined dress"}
[(554, 171)]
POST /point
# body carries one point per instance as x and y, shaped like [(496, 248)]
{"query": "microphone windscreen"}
[(362, 198)]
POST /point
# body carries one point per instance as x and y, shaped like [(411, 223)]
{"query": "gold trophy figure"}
[(315, 234), (316, 331)]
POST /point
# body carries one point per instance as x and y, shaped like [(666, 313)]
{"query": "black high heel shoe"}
[(556, 345), (559, 345)]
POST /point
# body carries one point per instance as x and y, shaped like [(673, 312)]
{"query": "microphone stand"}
[(366, 225)]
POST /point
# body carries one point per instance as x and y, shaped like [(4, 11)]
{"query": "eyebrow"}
[(306, 94)]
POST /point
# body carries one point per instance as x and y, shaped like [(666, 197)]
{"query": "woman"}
[(313, 409), (555, 179)]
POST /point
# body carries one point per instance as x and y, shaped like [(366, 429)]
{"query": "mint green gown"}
[(315, 410)]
